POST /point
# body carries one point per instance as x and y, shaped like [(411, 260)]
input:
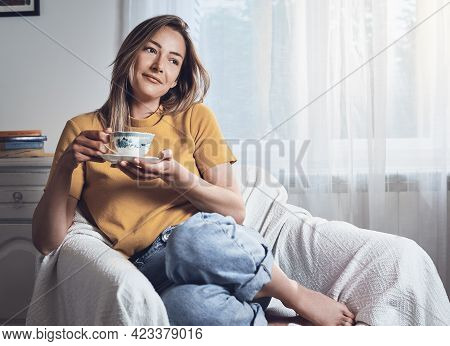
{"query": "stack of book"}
[(22, 143)]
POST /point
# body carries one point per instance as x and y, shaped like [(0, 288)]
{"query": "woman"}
[(167, 217)]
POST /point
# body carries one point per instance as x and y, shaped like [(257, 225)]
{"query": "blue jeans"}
[(207, 271)]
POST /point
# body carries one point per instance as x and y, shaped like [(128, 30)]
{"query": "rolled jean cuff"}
[(262, 276)]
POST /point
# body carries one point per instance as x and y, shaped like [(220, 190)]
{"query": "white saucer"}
[(116, 158)]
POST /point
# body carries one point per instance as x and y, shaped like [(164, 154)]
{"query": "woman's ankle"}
[(293, 295), (264, 292)]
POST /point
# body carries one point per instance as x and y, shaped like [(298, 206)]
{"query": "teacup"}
[(131, 143)]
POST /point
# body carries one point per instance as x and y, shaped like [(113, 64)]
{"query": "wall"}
[(55, 66)]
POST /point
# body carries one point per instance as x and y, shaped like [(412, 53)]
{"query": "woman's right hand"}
[(86, 147)]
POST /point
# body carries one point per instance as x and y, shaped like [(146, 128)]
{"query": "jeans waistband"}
[(162, 238)]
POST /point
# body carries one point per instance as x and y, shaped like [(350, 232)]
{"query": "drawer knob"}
[(17, 196)]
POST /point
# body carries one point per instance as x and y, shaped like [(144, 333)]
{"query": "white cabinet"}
[(21, 186)]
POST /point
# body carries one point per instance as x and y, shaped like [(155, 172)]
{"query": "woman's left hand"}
[(141, 170)]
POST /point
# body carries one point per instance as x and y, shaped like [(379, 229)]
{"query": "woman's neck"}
[(142, 110)]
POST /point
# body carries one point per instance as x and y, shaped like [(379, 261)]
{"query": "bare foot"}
[(320, 309), (311, 305)]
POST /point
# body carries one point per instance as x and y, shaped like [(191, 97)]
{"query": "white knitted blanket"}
[(85, 282), (384, 279)]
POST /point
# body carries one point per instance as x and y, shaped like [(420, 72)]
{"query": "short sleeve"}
[(211, 148), (70, 132)]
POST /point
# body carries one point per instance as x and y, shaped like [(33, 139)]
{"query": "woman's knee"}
[(192, 247), (210, 248), (192, 238), (206, 236)]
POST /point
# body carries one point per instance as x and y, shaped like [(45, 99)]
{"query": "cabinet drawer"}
[(21, 194), (17, 211), (24, 179)]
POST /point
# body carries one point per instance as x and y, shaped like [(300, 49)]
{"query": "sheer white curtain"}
[(366, 82), (136, 11)]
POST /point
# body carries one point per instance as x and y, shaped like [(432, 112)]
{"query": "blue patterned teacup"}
[(131, 143)]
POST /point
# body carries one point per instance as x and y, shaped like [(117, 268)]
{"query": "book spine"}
[(20, 133), (21, 145), (23, 139)]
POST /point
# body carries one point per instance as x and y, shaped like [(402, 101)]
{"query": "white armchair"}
[(85, 282)]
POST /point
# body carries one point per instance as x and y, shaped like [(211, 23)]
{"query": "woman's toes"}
[(348, 313), (348, 320)]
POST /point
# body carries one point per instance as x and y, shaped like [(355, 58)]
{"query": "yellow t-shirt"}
[(133, 213)]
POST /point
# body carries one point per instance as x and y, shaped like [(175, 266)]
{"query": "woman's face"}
[(158, 65)]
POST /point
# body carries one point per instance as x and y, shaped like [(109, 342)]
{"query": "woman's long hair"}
[(192, 84)]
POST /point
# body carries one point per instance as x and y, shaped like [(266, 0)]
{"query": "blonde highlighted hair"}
[(192, 83)]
